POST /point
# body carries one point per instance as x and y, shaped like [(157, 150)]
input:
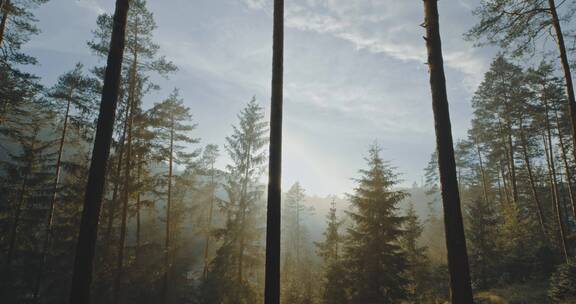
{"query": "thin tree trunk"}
[(512, 166), (499, 188), (509, 160), (210, 213), (84, 257), (460, 286), (5, 9), (127, 184), (272, 278), (113, 204), (566, 165), (566, 69), (506, 192), (168, 207), (48, 235), (556, 197), (17, 214), (531, 179), (138, 206), (482, 173), (243, 206)]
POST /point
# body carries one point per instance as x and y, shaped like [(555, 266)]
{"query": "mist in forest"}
[(294, 152)]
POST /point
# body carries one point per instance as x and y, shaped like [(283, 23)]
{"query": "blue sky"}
[(354, 74)]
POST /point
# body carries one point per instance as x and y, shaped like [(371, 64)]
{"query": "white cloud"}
[(381, 27), (91, 5)]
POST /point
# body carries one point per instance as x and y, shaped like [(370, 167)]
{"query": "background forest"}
[(183, 220)]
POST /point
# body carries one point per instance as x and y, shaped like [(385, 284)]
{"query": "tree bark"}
[(127, 184), (555, 197), (168, 207), (48, 233), (16, 221), (566, 165), (272, 279), (531, 179), (5, 8), (460, 287), (566, 69), (84, 257), (482, 173)]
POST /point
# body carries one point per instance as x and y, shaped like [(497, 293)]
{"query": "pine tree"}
[(518, 26), (297, 253), (482, 232), (73, 89), (373, 257), (83, 262), (209, 157), (240, 236), (171, 121), (330, 250), (417, 263), (461, 291)]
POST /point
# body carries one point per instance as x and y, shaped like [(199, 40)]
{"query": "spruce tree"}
[(373, 257), (330, 250), (171, 122), (227, 281)]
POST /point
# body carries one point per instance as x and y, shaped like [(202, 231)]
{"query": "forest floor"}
[(529, 293)]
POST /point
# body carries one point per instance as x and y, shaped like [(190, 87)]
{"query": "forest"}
[(106, 197)]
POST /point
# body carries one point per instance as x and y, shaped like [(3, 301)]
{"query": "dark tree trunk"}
[(531, 179), (272, 280), (555, 196), (84, 258), (138, 207), (566, 165), (5, 10), (16, 220), (48, 234), (113, 202), (566, 68), (127, 184), (482, 174), (460, 287)]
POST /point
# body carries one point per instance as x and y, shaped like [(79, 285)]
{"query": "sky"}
[(354, 74)]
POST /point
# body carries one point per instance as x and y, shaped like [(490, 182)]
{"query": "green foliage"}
[(374, 260), (563, 284)]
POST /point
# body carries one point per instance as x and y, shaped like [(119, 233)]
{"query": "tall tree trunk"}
[(5, 10), (84, 258), (168, 207), (460, 287), (566, 68), (566, 165), (243, 206), (209, 226), (506, 192), (48, 234), (482, 174), (509, 154), (272, 279), (113, 205), (17, 214), (500, 189), (127, 184), (512, 165), (138, 206), (531, 178), (555, 197)]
